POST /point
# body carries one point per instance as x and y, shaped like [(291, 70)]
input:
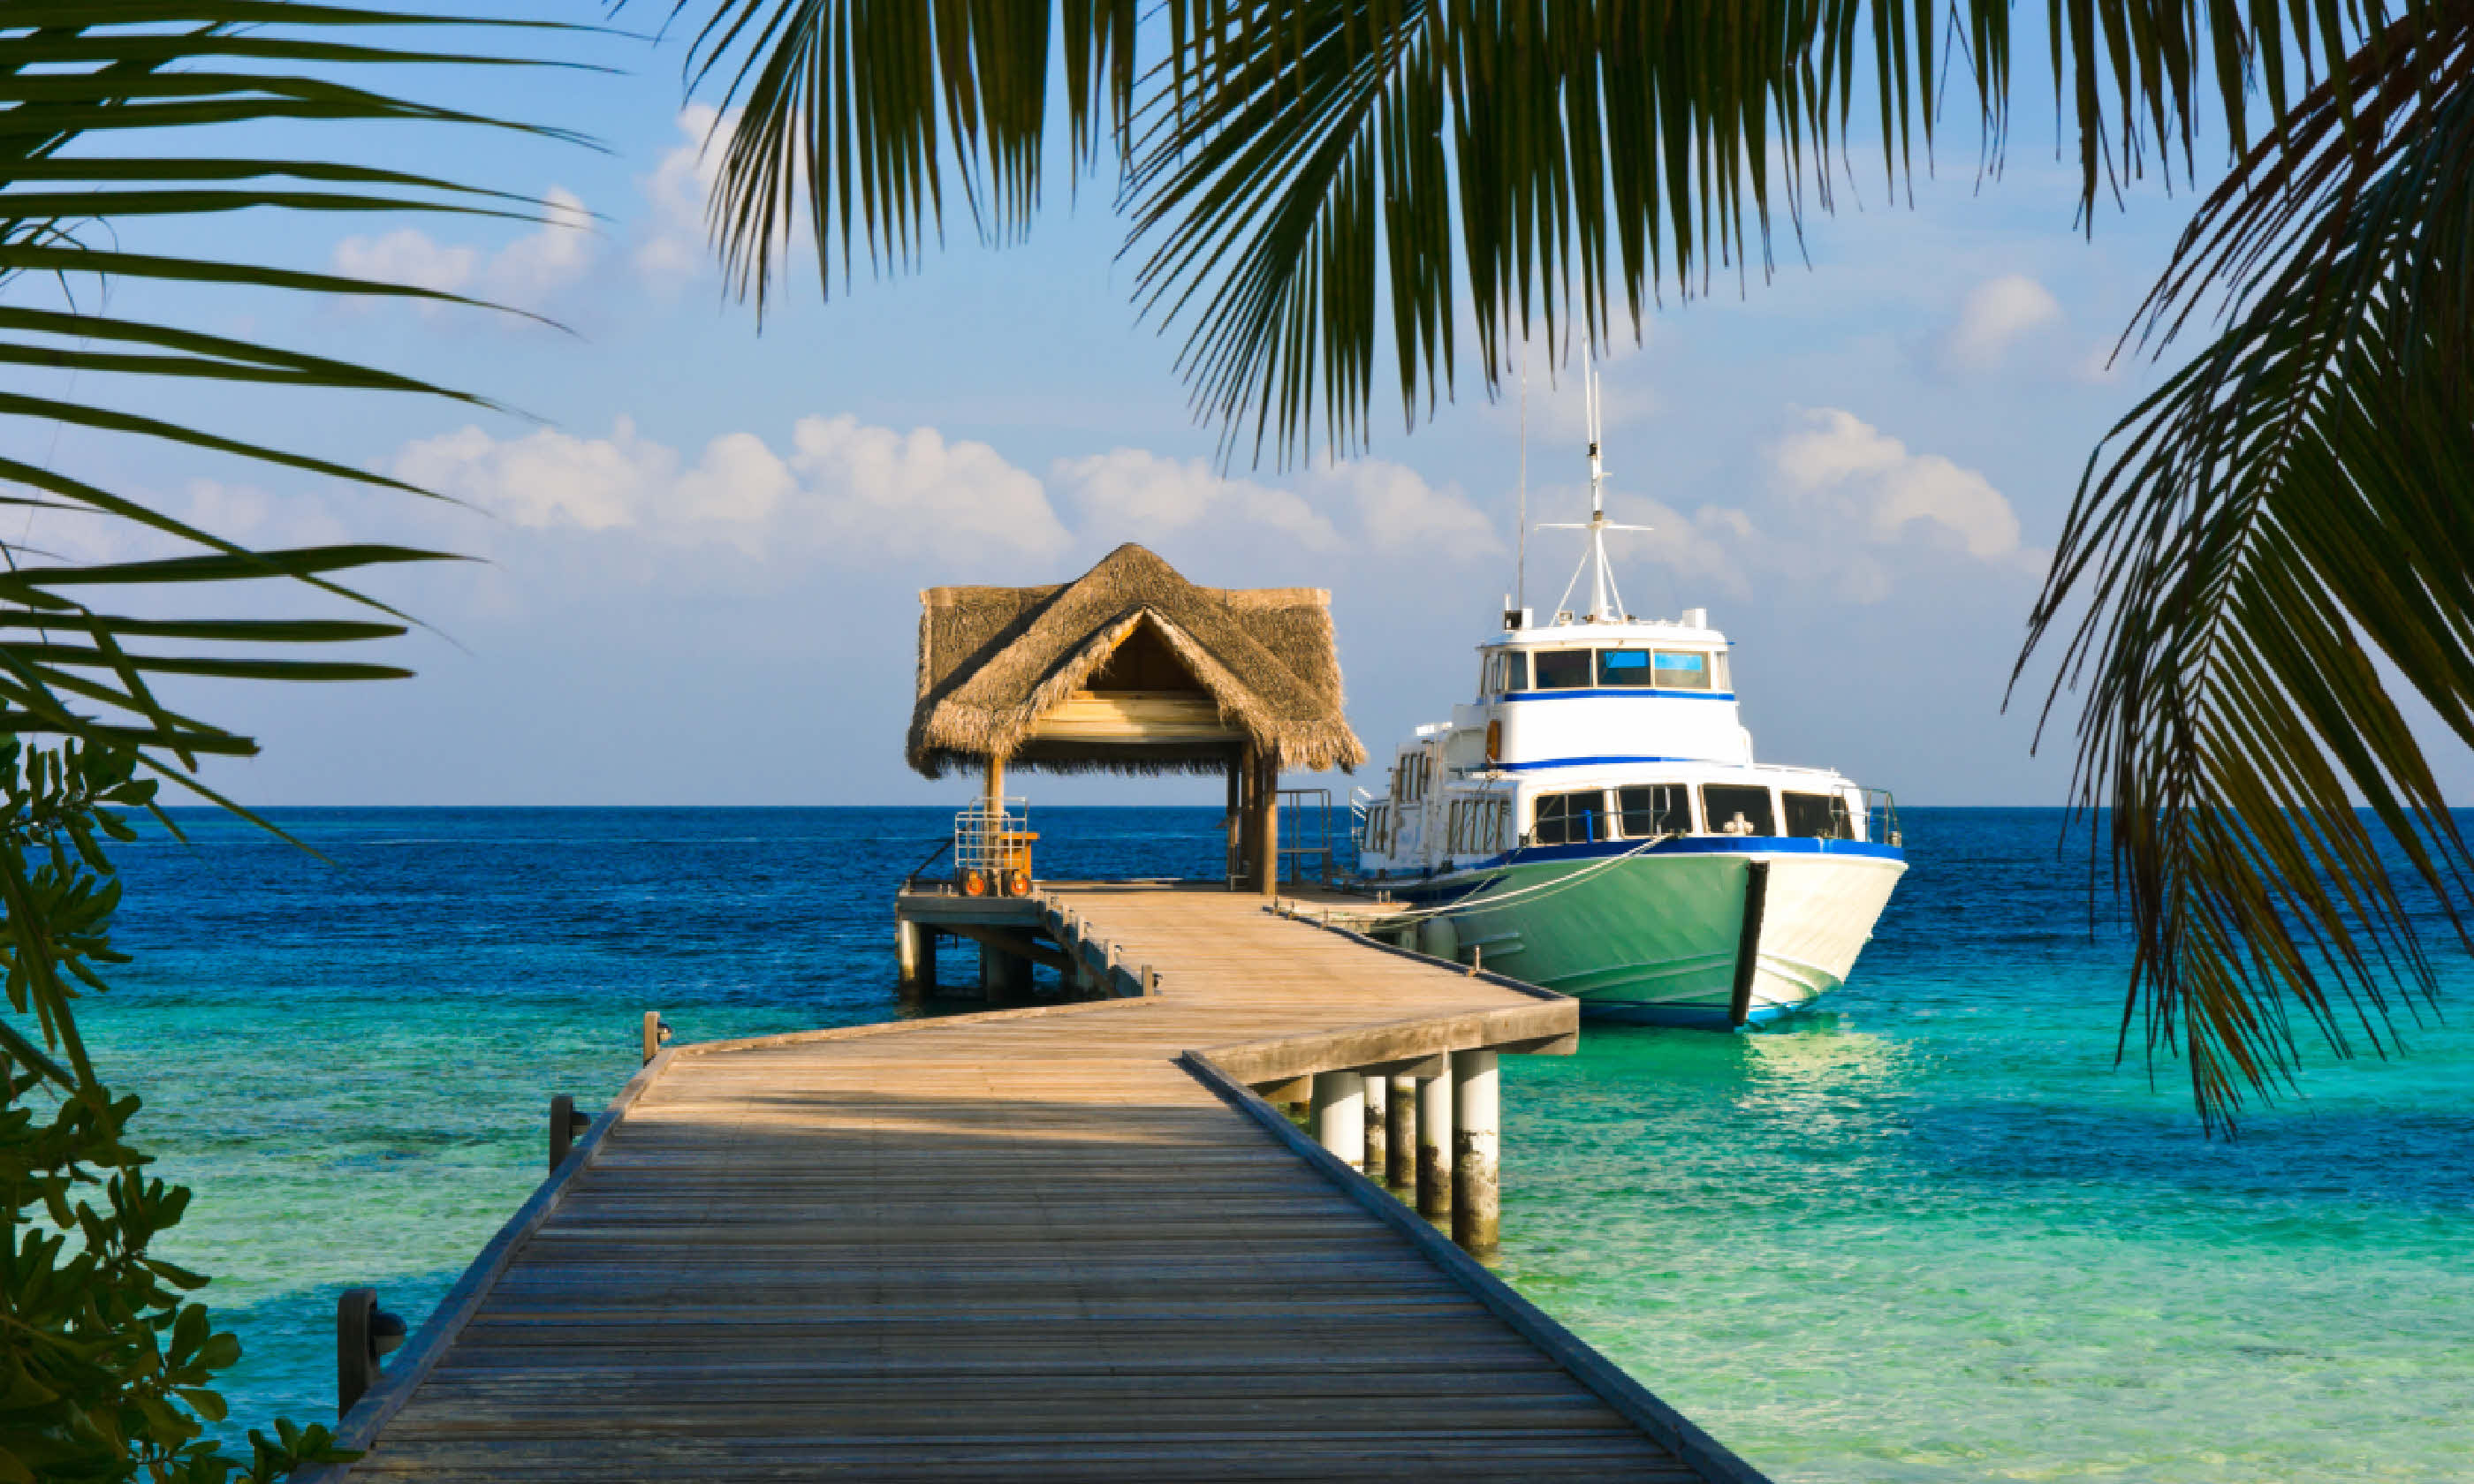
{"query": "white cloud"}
[(673, 245), (407, 256), (1142, 497), (1398, 510), (526, 274), (845, 493), (1840, 463), (1995, 316)]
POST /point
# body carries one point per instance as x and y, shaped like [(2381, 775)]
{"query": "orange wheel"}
[(975, 883), (1017, 882)]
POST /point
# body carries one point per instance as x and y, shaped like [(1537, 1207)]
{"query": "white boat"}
[(1594, 822)]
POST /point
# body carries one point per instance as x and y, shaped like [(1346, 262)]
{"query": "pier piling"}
[(1378, 1127), (1340, 1115), (1477, 1194), (1435, 1143), (1400, 1133)]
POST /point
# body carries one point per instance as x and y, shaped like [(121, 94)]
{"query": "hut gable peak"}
[(997, 664)]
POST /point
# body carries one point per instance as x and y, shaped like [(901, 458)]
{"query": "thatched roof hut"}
[(1128, 668)]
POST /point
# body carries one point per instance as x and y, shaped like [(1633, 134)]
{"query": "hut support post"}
[(1435, 1143), (1401, 1133), (1378, 1126), (1339, 1117), (1233, 822), (1267, 824), (1477, 1190)]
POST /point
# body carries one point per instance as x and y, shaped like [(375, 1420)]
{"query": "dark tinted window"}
[(1623, 667), (1572, 818), (1816, 817), (1721, 803), (1658, 809), (1514, 670), (1564, 669)]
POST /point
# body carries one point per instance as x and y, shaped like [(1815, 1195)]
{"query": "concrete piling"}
[(1401, 1133), (1477, 1192), (913, 945), (1435, 1144), (1378, 1126), (1339, 1117)]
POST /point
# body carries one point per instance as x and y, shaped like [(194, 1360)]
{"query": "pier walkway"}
[(1060, 1243)]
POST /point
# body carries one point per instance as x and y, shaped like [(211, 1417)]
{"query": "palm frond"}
[(1293, 165), (108, 117), (2283, 510)]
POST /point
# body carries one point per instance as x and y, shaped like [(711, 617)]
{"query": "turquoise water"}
[(1930, 1235)]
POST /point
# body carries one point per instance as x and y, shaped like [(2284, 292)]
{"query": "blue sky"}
[(703, 544)]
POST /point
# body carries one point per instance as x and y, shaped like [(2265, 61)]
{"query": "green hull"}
[(1655, 937)]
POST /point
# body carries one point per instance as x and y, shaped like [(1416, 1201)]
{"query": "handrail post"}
[(363, 1333), (566, 1127)]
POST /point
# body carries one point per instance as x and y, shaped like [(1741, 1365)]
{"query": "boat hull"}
[(1650, 937)]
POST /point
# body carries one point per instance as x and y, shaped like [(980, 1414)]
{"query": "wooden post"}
[(1234, 823), (1267, 826), (1401, 1133), (1477, 1192), (363, 1333), (1435, 1144), (565, 1125), (1378, 1127), (1339, 1117), (992, 974), (655, 1032)]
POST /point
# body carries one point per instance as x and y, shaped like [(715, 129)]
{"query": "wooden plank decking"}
[(1029, 1245)]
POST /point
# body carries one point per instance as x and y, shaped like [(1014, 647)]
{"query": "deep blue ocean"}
[(1932, 1234)]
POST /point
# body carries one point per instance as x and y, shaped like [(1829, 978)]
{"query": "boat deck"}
[(1058, 1243)]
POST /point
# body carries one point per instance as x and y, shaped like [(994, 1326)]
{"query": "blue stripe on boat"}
[(1691, 844)]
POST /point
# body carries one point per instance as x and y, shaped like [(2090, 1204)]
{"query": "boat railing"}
[(1881, 818)]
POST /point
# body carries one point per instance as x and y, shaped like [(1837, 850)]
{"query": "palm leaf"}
[(116, 118), (2285, 509)]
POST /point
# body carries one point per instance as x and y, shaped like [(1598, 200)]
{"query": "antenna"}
[(1606, 604), (1521, 570)]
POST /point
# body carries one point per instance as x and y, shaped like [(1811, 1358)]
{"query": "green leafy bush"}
[(107, 1362)]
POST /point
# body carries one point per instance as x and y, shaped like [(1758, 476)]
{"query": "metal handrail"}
[(911, 882)]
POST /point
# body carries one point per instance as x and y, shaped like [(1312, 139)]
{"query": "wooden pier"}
[(1066, 1242)]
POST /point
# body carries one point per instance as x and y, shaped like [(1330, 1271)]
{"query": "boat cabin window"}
[(1507, 669), (1653, 811), (1721, 674), (1817, 817), (1475, 826), (1682, 670), (1722, 804), (1564, 669), (1409, 779), (1572, 818), (1623, 667)]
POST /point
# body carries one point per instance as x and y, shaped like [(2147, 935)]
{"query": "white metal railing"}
[(992, 849)]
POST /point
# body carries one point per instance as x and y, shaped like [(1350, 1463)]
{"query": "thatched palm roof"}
[(994, 660)]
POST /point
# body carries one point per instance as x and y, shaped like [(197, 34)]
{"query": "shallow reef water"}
[(1934, 1232)]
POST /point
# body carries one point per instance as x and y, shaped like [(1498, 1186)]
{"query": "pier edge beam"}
[(1400, 1134), (1339, 1117), (1477, 1190), (1435, 1143), (1378, 1127)]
